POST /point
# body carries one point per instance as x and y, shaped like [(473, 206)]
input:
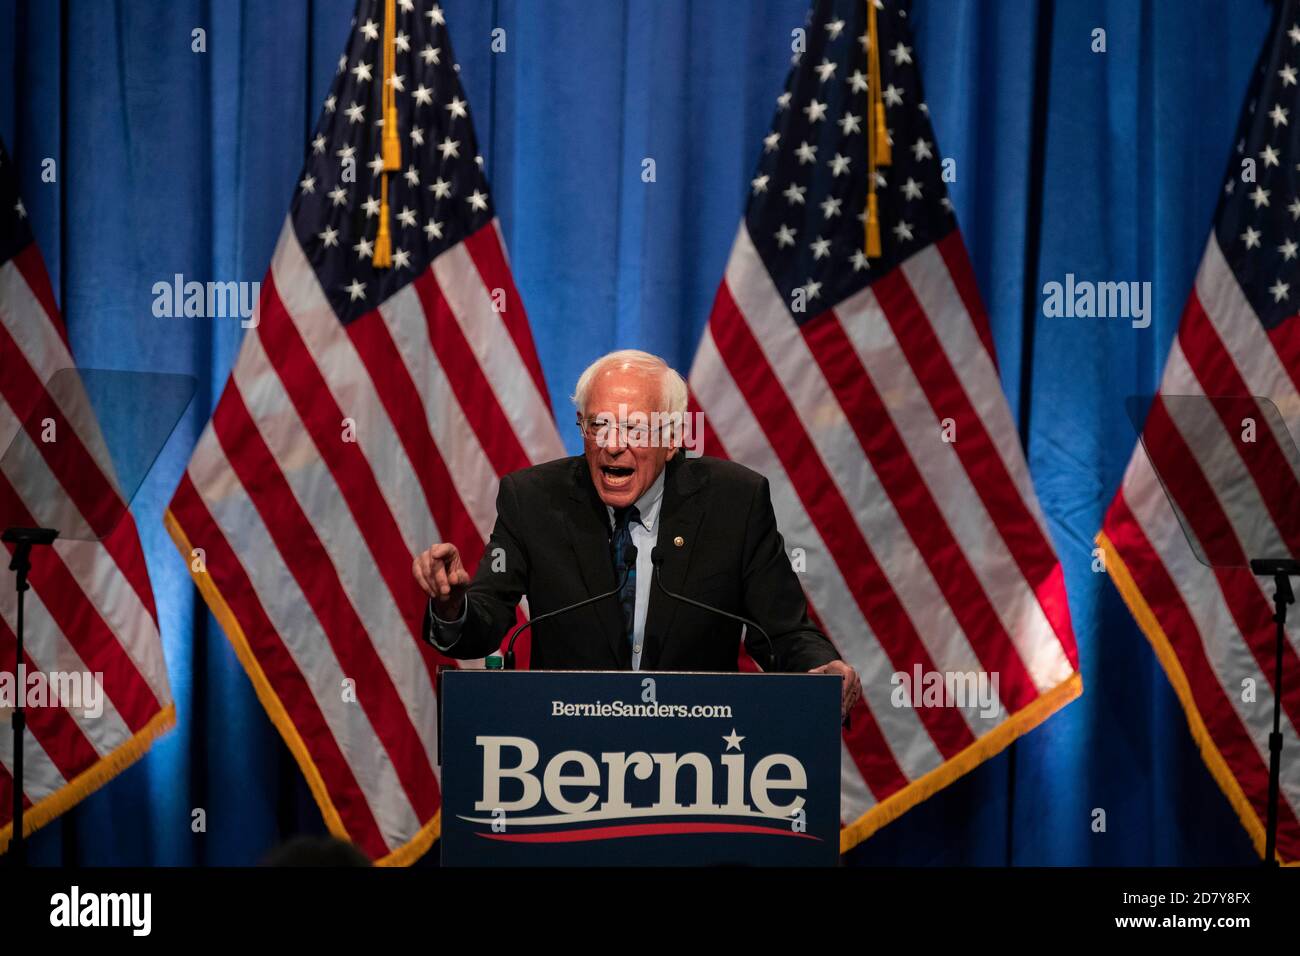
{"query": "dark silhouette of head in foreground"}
[(315, 851)]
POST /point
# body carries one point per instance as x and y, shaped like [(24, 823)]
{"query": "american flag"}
[(866, 388), (369, 413), (1239, 337), (90, 610)]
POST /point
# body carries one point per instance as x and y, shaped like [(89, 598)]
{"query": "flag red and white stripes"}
[(371, 412), (866, 389), (90, 613), (1212, 628)]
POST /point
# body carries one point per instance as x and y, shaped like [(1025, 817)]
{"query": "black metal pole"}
[(1282, 596)]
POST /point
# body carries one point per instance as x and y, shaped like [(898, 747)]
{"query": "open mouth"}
[(616, 475)]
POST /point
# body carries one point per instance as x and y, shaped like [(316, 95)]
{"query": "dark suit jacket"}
[(553, 533)]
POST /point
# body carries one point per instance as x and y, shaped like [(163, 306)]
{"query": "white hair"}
[(672, 396)]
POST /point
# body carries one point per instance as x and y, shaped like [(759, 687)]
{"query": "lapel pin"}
[(679, 541)]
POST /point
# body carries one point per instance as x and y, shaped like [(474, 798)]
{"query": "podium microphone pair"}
[(629, 562)]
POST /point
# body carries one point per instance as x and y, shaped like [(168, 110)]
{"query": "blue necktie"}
[(623, 520)]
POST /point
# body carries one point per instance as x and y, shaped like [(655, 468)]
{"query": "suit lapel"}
[(588, 530), (679, 517)]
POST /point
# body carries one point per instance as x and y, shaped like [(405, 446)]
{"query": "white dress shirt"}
[(645, 534)]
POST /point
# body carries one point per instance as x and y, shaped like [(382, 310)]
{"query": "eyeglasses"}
[(603, 431)]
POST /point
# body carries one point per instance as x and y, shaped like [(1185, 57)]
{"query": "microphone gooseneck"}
[(657, 559), (629, 562)]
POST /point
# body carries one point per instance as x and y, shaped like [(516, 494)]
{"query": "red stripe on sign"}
[(277, 664), (623, 831), (485, 249), (31, 267), (478, 401), (1199, 504), (307, 560), (952, 248), (1179, 627), (405, 408), (830, 514), (53, 726), (979, 456), (1268, 464), (917, 509), (79, 620)]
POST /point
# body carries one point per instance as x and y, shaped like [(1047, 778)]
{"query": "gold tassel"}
[(873, 226), (383, 255), (391, 145), (882, 137)]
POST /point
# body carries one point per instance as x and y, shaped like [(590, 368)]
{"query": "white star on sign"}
[(401, 259), (893, 95), (901, 54), (1260, 196), (783, 100), (477, 200), (430, 55), (858, 81), (308, 184), (433, 230), (412, 176), (457, 108), (1279, 290), (903, 231), (449, 147), (770, 141), (825, 70), (830, 207), (435, 16), (807, 154), (921, 150), (370, 30), (815, 111), (361, 71), (407, 216), (440, 188), (371, 206), (330, 237), (911, 189), (396, 81), (338, 195), (859, 260), (402, 42), (812, 290), (1288, 250), (795, 193), (733, 741), (785, 236), (821, 248), (759, 184), (318, 145), (376, 165), (1251, 237), (835, 28), (364, 248), (839, 165), (423, 95), (1269, 155), (1288, 75), (1294, 34), (330, 102), (357, 290), (355, 113), (417, 136), (1278, 115), (849, 123), (1294, 208)]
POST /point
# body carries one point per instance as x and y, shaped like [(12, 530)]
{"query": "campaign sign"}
[(612, 768)]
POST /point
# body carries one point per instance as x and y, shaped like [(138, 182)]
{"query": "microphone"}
[(629, 562), (657, 559)]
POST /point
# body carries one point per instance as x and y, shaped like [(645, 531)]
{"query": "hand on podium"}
[(442, 576), (851, 686)]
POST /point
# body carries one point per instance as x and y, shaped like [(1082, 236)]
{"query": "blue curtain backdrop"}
[(1107, 165)]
